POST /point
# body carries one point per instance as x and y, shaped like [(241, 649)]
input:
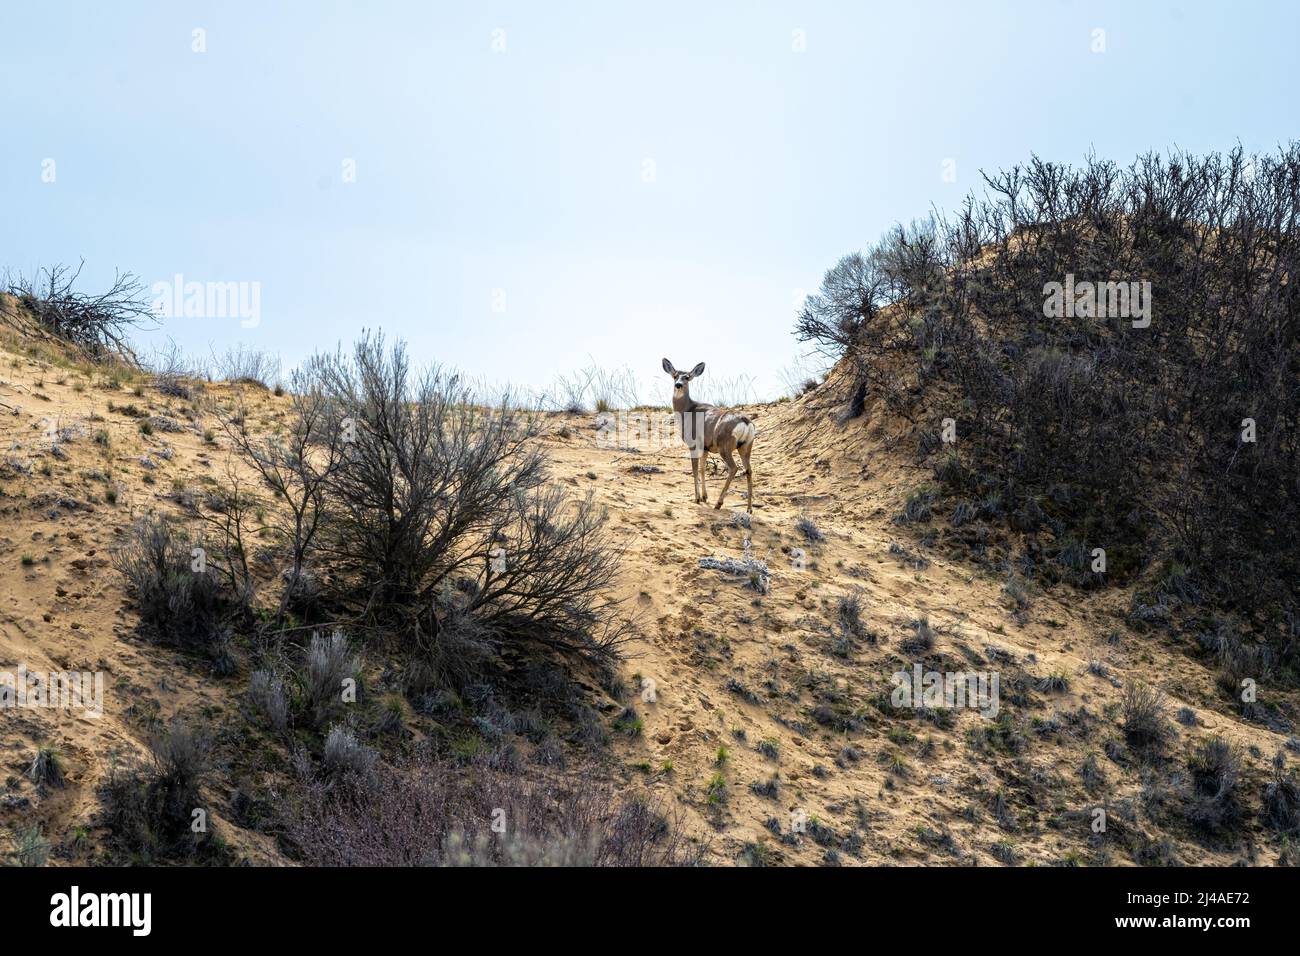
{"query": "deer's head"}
[(680, 379)]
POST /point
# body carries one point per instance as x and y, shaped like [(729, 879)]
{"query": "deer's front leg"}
[(695, 476)]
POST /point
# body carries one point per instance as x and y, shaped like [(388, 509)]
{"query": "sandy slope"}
[(704, 630), (757, 674), (62, 607)]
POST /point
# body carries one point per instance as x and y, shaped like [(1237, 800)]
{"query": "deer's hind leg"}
[(731, 473), (749, 475)]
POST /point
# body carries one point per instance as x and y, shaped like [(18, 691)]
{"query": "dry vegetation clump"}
[(1145, 724), (155, 812), (178, 596), (426, 812), (247, 366), (1213, 802), (98, 325)]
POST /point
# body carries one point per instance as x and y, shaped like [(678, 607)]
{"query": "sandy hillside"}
[(765, 718), (761, 676)]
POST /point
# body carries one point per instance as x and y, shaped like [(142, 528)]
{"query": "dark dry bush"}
[(1145, 726), (1091, 773), (849, 616), (439, 525), (1096, 428), (1282, 799), (426, 813), (1157, 853), (1215, 769), (458, 656), (149, 810), (963, 513), (1056, 683), (918, 507), (177, 594), (922, 639), (46, 769), (808, 528), (1005, 853)]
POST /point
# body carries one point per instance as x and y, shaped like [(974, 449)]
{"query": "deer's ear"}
[(668, 367), (697, 371)]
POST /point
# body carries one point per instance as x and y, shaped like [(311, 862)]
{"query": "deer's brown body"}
[(707, 429)]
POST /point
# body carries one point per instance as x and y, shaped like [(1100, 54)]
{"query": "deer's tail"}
[(744, 432)]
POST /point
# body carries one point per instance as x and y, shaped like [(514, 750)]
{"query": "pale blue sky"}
[(524, 170)]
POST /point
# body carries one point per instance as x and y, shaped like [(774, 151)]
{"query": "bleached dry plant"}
[(330, 662), (730, 392), (571, 392), (613, 389), (593, 389), (344, 755), (244, 365), (172, 370), (267, 695), (801, 376)]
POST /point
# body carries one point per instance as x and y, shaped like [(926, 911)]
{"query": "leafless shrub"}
[(571, 392), (1282, 798), (441, 511), (97, 324), (172, 371), (459, 655), (297, 464)]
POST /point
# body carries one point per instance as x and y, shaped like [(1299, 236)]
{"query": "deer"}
[(708, 429)]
